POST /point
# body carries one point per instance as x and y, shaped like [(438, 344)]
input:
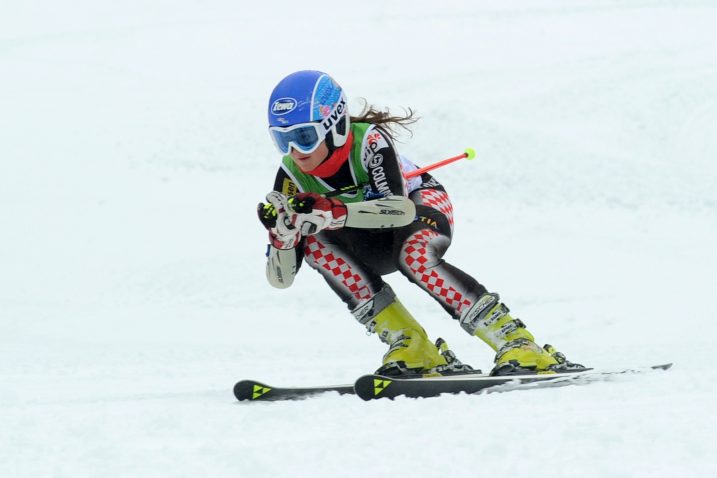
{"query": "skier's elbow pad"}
[(281, 267)]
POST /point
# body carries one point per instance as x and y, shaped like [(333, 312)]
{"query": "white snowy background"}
[(133, 151)]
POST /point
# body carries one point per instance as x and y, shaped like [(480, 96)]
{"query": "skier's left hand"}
[(314, 213)]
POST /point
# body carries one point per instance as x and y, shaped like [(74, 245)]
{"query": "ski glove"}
[(314, 213), (288, 219), (276, 218)]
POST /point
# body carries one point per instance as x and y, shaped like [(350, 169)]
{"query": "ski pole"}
[(343, 190), (468, 154)]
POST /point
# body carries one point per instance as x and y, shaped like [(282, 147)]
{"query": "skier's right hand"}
[(275, 217)]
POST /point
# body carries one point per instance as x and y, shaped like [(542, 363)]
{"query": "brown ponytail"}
[(385, 120)]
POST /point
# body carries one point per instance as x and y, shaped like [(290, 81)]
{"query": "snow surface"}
[(133, 150)]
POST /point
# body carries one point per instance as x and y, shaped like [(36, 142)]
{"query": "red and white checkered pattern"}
[(415, 255), (438, 200), (339, 269)]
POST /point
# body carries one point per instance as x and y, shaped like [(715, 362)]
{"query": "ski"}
[(371, 387), (257, 391)]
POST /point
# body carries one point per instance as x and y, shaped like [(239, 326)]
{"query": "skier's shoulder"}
[(375, 144), (372, 135)]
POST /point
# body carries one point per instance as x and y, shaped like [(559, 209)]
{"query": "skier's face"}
[(309, 162)]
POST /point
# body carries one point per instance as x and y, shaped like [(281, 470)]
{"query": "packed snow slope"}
[(133, 151)]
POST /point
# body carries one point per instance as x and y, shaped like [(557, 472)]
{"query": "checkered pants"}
[(353, 261)]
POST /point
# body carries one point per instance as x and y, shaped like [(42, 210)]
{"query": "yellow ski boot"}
[(517, 352), (410, 352)]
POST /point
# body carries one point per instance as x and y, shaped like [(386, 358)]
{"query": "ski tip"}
[(250, 390)]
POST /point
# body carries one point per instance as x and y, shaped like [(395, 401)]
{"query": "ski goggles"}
[(304, 137)]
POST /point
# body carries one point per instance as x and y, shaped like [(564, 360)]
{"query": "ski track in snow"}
[(133, 149)]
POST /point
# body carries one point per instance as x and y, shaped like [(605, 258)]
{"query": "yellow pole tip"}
[(470, 153)]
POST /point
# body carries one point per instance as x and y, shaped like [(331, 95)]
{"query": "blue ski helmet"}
[(310, 96)]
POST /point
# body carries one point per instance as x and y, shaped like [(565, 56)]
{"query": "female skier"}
[(341, 203)]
